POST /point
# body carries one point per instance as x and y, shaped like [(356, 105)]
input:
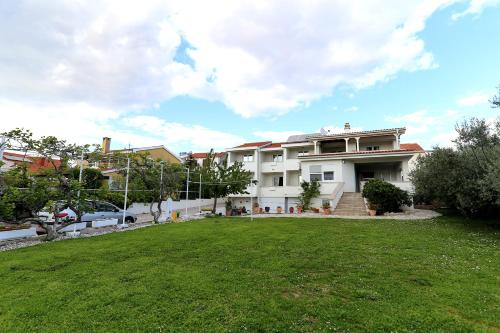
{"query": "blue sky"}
[(162, 74)]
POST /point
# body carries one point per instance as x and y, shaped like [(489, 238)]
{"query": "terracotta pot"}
[(229, 212), (327, 211), (299, 210), (279, 210), (372, 212)]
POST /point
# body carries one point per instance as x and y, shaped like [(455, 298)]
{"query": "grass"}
[(267, 275)]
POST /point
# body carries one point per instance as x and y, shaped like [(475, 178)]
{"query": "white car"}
[(100, 210)]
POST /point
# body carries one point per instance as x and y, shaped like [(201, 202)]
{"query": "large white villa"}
[(341, 162)]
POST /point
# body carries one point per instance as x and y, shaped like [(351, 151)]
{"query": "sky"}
[(196, 75)]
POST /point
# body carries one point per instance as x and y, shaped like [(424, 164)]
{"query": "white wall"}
[(349, 176), (143, 208)]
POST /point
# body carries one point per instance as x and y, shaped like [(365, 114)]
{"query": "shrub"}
[(310, 190), (385, 196)]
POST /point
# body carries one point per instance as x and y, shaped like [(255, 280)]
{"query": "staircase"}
[(351, 203)]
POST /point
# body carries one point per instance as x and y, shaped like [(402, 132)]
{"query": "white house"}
[(341, 162)]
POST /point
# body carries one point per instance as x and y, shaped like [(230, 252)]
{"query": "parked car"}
[(100, 210)]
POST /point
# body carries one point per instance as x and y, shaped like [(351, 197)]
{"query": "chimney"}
[(347, 127), (106, 143)]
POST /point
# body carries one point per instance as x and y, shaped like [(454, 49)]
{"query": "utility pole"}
[(199, 195), (124, 225), (80, 176), (3, 142), (187, 192), (161, 182)]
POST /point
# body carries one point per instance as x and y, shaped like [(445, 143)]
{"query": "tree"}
[(495, 100), (153, 180), (220, 179), (310, 190), (61, 189), (465, 178)]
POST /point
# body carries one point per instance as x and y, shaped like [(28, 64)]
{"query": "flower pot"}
[(300, 210), (279, 210), (261, 210), (291, 210), (229, 212), (327, 211), (267, 209), (372, 212)]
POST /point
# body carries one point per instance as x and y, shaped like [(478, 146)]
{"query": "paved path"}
[(414, 214)]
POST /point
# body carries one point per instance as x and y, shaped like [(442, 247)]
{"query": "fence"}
[(143, 208)]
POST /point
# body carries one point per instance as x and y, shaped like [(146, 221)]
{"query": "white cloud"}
[(427, 128), (276, 136), (257, 57), (175, 135), (473, 99), (475, 8), (352, 109)]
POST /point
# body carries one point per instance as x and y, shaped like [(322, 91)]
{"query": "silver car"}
[(100, 210)]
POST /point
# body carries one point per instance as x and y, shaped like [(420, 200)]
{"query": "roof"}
[(275, 145), (35, 163), (135, 150), (16, 157), (205, 155), (411, 146), (254, 144), (319, 136), (357, 153)]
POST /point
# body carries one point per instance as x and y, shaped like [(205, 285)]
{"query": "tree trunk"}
[(51, 231), (215, 206)]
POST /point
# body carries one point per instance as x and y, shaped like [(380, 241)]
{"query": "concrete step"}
[(351, 203)]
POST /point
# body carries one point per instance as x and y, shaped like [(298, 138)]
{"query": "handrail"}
[(335, 194)]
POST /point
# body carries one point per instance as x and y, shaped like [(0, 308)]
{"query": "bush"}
[(385, 196)]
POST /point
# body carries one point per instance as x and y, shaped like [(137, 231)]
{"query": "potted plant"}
[(300, 209), (326, 208), (229, 208), (267, 209), (279, 209), (315, 210), (256, 208), (372, 209)]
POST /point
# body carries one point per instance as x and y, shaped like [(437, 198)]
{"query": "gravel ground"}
[(414, 214), (142, 222)]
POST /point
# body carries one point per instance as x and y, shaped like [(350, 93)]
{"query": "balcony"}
[(252, 190), (272, 167), (280, 191), (250, 166)]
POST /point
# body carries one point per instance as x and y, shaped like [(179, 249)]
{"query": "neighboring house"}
[(341, 162), (155, 152), (200, 157), (35, 164)]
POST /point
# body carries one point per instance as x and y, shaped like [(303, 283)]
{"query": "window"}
[(315, 173), (247, 158), (277, 181), (277, 158), (328, 175), (303, 153), (370, 148)]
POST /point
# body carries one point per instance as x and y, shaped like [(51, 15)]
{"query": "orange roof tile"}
[(205, 155), (411, 146)]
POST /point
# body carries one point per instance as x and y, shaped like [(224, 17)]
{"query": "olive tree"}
[(151, 180), (55, 186), (221, 179)]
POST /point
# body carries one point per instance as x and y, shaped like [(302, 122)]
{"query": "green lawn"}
[(267, 275)]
